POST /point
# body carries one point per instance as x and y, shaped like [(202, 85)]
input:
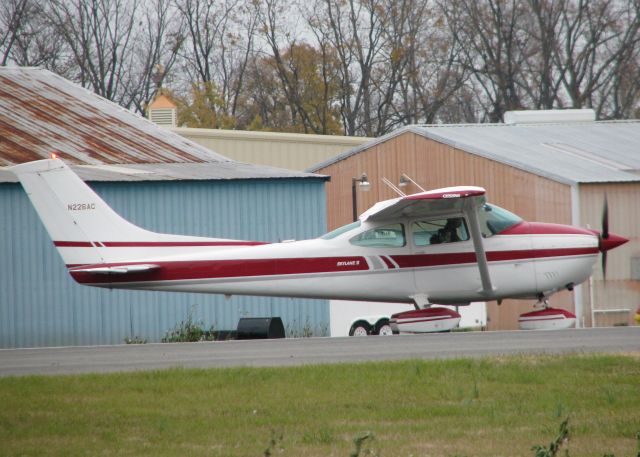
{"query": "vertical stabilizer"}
[(84, 228)]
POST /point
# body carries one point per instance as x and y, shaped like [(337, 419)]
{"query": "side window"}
[(439, 231), (387, 236)]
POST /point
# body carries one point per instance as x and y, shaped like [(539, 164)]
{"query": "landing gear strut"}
[(543, 302), (420, 301)]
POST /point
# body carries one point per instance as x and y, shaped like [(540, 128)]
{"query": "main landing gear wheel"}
[(383, 328), (360, 329), (547, 318)]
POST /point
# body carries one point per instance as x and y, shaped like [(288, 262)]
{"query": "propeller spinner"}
[(607, 240)]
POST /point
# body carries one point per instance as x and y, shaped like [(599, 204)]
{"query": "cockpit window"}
[(494, 219), (339, 231), (439, 231), (386, 236)]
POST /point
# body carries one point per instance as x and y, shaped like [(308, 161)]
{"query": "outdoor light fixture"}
[(405, 179), (365, 185)]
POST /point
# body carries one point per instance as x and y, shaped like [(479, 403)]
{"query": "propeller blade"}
[(605, 219), (606, 240), (604, 235)]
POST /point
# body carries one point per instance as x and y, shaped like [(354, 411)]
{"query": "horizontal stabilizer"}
[(118, 270)]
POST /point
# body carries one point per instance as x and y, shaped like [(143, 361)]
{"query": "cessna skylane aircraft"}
[(445, 246)]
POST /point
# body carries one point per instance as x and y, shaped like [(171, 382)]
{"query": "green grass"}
[(485, 407)]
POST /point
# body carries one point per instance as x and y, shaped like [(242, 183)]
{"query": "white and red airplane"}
[(443, 246)]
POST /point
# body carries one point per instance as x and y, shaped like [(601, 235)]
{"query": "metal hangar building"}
[(549, 166), (154, 178)]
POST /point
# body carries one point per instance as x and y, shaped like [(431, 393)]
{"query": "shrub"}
[(189, 330)]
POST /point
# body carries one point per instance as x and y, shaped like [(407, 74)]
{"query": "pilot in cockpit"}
[(450, 230), (448, 233)]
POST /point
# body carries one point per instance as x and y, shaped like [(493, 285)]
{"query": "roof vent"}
[(163, 111), (550, 116)]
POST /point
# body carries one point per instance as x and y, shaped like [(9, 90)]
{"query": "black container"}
[(256, 328)]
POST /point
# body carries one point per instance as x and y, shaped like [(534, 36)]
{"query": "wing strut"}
[(481, 257)]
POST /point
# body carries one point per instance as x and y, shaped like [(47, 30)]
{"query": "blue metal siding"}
[(40, 305)]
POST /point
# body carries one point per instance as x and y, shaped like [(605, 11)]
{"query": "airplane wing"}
[(427, 204), (118, 270), (462, 199)]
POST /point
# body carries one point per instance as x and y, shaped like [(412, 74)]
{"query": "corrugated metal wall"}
[(40, 305), (434, 165), (293, 151), (620, 290)]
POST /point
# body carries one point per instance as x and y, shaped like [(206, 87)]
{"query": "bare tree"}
[(598, 39), (361, 67), (623, 91), (543, 79), (12, 21), (303, 71), (27, 38), (435, 73), (158, 41), (354, 28), (496, 47), (99, 35), (219, 47)]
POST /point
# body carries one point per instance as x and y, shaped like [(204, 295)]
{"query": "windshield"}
[(341, 230), (494, 219)]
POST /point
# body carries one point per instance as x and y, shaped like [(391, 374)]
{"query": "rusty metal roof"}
[(42, 113)]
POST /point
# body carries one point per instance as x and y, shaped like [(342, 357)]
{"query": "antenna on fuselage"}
[(393, 187), (406, 179)]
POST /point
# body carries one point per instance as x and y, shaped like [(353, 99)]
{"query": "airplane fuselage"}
[(440, 246), (525, 261)]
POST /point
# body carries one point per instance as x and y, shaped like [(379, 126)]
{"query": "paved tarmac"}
[(303, 351)]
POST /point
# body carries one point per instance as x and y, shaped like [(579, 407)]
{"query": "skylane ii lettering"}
[(80, 206), (348, 263)]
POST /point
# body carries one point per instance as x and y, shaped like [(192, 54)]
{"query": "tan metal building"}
[(550, 172), (293, 151)]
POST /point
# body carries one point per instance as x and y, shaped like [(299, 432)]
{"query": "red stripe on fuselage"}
[(544, 228), (154, 244), (227, 269), (458, 258), (72, 244), (388, 262)]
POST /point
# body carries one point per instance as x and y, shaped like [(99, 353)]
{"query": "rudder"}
[(84, 229)]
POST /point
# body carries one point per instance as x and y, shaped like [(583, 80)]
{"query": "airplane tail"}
[(85, 230)]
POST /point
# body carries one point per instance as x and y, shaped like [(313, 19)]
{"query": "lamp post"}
[(364, 185)]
